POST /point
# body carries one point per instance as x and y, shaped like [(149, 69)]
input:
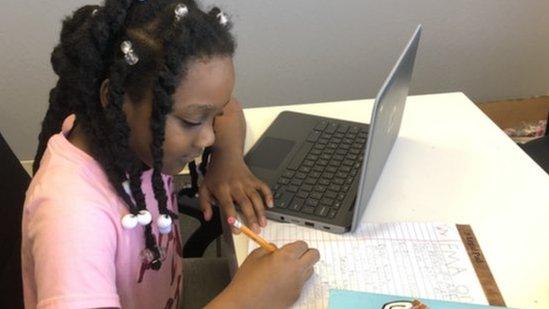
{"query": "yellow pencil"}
[(258, 239)]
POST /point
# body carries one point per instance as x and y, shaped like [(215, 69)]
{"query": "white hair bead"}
[(164, 221), (129, 55), (126, 186), (181, 11), (165, 230), (223, 19), (129, 221), (144, 217)]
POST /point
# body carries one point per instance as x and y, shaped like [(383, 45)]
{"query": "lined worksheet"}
[(425, 260)]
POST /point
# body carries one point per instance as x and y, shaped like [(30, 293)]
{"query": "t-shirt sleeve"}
[(73, 251)]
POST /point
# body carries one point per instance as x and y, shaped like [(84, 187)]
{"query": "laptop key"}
[(322, 141), (341, 196), (343, 128), (330, 194), (353, 130), (283, 181), (342, 174), (327, 201), (332, 127), (336, 205), (322, 162), (307, 188), (316, 152), (300, 175), (308, 163), (324, 182), (320, 188), (321, 211), (326, 135), (313, 136), (305, 169), (284, 199), (292, 188), (345, 169), (311, 157), (296, 204), (318, 169), (332, 214), (316, 195), (310, 181), (299, 156), (334, 187), (311, 202), (296, 182), (288, 174), (308, 210), (321, 126), (339, 181), (348, 162), (315, 174), (331, 169), (302, 194)]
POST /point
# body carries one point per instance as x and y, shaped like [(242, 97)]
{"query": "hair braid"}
[(89, 53)]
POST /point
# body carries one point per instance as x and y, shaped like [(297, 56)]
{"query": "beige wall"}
[(312, 50)]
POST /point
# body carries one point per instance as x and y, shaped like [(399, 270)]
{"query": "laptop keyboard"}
[(321, 173)]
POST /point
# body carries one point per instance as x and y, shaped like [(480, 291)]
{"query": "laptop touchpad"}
[(270, 153)]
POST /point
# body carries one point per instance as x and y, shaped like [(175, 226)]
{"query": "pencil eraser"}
[(231, 220)]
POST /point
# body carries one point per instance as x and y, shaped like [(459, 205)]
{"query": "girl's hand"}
[(269, 280), (228, 182)]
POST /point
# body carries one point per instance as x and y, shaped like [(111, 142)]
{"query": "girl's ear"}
[(104, 93)]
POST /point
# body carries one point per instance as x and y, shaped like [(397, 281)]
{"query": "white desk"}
[(452, 164)]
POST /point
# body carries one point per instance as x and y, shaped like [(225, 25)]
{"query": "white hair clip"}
[(94, 12), (223, 19), (129, 55), (181, 11)]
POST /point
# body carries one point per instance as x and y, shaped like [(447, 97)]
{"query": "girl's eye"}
[(191, 124)]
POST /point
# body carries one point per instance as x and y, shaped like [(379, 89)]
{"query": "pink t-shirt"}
[(75, 252)]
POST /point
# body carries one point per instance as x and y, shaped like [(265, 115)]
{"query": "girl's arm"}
[(229, 181)]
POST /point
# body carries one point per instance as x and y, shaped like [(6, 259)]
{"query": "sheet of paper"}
[(426, 260)]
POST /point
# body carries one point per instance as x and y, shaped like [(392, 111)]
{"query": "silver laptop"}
[(323, 171)]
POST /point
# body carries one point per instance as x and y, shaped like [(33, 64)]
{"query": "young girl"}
[(144, 87)]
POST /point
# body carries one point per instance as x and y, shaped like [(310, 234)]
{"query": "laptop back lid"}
[(385, 124)]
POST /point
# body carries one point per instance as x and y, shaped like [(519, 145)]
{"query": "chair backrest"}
[(14, 181)]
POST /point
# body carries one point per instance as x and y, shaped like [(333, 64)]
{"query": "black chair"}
[(14, 181)]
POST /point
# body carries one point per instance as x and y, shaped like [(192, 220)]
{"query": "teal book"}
[(342, 299)]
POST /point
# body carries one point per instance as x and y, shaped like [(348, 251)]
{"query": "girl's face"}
[(199, 98)]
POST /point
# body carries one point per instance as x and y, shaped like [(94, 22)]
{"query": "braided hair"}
[(157, 47)]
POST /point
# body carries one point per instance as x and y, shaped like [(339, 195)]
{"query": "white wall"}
[(313, 50)]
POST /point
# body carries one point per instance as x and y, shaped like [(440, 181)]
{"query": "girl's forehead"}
[(206, 88)]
